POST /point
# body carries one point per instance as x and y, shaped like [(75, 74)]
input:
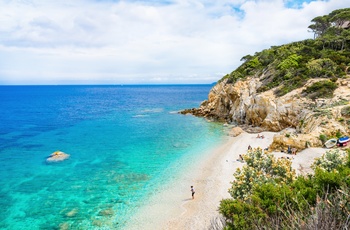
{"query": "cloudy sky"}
[(143, 42)]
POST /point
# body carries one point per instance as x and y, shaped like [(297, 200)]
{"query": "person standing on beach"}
[(193, 192)]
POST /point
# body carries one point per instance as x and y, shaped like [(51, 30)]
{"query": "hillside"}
[(303, 85)]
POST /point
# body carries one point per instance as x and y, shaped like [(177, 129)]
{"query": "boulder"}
[(57, 156), (236, 131), (290, 137)]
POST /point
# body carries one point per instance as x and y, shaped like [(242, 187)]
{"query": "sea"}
[(123, 140)]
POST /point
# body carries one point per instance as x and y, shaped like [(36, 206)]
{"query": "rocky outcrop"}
[(241, 104), (57, 156)]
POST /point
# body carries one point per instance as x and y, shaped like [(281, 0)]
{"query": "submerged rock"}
[(72, 213), (57, 156)]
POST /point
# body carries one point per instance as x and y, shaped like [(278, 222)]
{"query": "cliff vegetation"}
[(288, 67)]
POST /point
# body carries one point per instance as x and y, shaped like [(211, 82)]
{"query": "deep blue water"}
[(123, 141)]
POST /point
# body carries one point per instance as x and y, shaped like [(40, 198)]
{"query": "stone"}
[(72, 213), (57, 156), (106, 212), (236, 131)]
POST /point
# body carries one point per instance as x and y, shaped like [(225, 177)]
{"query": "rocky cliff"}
[(307, 119)]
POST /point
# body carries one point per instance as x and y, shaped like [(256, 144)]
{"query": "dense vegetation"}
[(266, 194), (289, 66), (320, 89)]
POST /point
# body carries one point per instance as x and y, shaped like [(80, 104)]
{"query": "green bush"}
[(320, 89), (272, 197), (260, 168), (338, 134), (345, 111), (305, 190), (285, 204), (239, 214), (323, 138), (331, 160), (327, 182)]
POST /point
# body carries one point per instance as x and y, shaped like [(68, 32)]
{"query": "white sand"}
[(173, 208)]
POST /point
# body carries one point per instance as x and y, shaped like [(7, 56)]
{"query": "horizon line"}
[(137, 84)]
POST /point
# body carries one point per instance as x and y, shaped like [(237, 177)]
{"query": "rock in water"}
[(57, 156)]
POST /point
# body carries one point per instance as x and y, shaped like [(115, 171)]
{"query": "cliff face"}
[(241, 104)]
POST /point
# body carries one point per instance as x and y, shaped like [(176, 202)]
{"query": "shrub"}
[(260, 169), (275, 200), (320, 89), (306, 192), (326, 181), (239, 214), (331, 160), (345, 111), (323, 67), (323, 138), (338, 134)]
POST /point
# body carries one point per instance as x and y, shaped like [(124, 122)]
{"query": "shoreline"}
[(173, 207)]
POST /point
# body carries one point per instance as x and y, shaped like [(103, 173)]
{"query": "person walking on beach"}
[(193, 192)]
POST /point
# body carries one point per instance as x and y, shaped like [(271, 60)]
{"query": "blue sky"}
[(143, 42)]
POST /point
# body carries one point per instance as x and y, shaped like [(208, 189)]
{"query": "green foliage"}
[(345, 111), (290, 66), (260, 169), (322, 67), (338, 134), (320, 89), (303, 197), (327, 181), (322, 112), (271, 197), (323, 138), (239, 214), (342, 102), (306, 193), (290, 62), (331, 160)]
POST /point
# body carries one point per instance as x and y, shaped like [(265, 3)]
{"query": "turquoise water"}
[(123, 141)]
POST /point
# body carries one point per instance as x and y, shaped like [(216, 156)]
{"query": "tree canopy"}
[(287, 67)]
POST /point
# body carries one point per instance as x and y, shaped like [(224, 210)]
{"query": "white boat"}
[(331, 143)]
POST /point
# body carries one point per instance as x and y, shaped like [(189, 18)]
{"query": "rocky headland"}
[(299, 120)]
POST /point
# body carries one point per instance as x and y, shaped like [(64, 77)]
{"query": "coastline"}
[(173, 207)]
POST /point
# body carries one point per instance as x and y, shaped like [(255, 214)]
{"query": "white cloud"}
[(180, 41)]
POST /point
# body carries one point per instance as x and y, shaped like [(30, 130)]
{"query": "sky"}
[(144, 42)]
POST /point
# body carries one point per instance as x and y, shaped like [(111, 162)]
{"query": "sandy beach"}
[(173, 207)]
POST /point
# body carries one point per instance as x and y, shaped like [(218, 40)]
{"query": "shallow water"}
[(123, 141)]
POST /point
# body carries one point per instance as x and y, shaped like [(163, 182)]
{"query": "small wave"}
[(140, 115), (174, 112), (154, 110)]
